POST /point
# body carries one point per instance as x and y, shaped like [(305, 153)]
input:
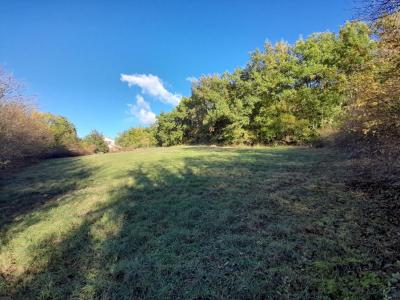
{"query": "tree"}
[(285, 94), (22, 133), (211, 110), (169, 128), (373, 10), (373, 110), (96, 140), (137, 138), (64, 132)]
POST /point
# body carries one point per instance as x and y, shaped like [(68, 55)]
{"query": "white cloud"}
[(142, 111), (151, 85), (192, 79)]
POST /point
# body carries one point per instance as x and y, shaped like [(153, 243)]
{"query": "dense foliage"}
[(22, 132), (64, 132), (27, 134), (136, 138), (285, 94), (95, 140), (373, 114)]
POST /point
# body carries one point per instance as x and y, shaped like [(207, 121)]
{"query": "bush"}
[(137, 138), (23, 135), (65, 139), (371, 123), (64, 132), (94, 143), (27, 134)]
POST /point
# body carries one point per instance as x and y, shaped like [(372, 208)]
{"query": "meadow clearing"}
[(189, 223)]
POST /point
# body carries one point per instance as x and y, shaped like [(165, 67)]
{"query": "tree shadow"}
[(41, 186), (250, 225)]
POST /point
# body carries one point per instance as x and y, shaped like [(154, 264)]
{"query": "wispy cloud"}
[(142, 111), (192, 79), (153, 86)]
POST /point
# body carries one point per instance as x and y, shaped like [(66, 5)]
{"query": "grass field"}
[(188, 223)]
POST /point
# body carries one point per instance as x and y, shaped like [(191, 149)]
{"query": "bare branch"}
[(372, 10)]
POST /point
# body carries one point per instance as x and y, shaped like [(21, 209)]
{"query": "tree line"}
[(27, 134), (285, 94), (345, 82)]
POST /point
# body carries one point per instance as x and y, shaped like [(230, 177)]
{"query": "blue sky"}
[(111, 65)]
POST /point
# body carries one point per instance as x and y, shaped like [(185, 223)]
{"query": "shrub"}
[(94, 142), (23, 135), (65, 139), (137, 138), (372, 120)]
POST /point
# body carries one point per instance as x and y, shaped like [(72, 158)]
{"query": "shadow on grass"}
[(249, 224), (43, 184)]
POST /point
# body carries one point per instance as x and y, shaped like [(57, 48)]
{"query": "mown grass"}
[(188, 223)]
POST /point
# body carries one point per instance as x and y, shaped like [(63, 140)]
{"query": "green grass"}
[(186, 223)]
